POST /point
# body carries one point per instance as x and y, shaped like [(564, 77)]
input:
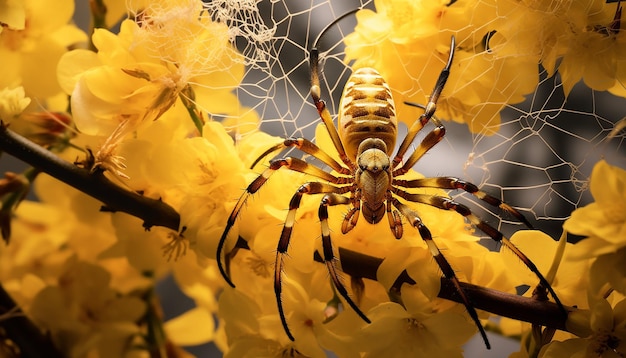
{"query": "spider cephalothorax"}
[(369, 179)]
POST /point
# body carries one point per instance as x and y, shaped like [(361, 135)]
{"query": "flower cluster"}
[(173, 52), (143, 110), (500, 44), (33, 38), (87, 277), (603, 226)]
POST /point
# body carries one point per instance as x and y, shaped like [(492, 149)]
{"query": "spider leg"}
[(395, 222), (453, 183), (307, 147), (310, 188), (449, 204), (332, 199), (429, 110), (291, 163), (352, 216), (323, 111), (350, 220), (442, 262), (431, 139)]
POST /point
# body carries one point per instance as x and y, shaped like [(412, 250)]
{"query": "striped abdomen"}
[(367, 111)]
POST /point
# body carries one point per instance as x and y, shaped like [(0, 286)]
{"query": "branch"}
[(543, 313), (155, 212), (115, 198), (23, 332)]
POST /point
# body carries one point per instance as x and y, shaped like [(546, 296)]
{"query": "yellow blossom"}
[(571, 280), (592, 58), (581, 34), (79, 210), (207, 173), (13, 14), (84, 315), (608, 269), (137, 75), (199, 279), (420, 330), (12, 103), (500, 44), (251, 316), (608, 337), (408, 42), (184, 329), (142, 248), (35, 256), (116, 10), (31, 50), (241, 125), (148, 65), (603, 222)]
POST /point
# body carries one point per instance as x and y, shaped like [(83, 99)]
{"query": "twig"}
[(23, 332), (543, 313), (115, 198)]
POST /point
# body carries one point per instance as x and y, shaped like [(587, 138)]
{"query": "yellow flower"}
[(116, 10), (500, 44), (30, 48), (420, 330), (199, 279), (13, 14), (251, 317), (137, 74), (191, 328), (141, 248), (198, 176), (607, 340), (174, 50), (603, 222), (580, 33), (608, 269), (409, 45), (242, 125), (571, 280), (83, 214), (36, 254), (84, 315), (592, 57), (12, 103)]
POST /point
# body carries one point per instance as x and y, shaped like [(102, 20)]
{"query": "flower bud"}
[(43, 128)]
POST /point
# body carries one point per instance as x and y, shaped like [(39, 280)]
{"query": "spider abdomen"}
[(366, 111)]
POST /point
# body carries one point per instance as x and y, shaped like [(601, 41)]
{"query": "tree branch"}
[(543, 313), (115, 198), (23, 332)]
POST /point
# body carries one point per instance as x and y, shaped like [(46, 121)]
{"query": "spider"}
[(369, 179)]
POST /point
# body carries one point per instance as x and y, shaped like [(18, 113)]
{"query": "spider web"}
[(539, 161)]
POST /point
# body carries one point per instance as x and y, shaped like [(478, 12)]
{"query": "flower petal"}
[(194, 327)]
